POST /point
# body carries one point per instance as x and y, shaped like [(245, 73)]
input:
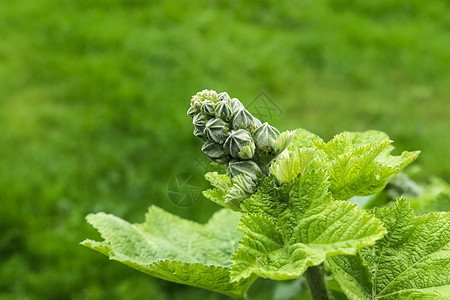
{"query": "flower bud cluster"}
[(232, 136)]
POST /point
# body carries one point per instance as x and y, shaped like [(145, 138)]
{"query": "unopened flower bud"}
[(255, 125), (216, 130), (235, 105), (264, 135), (224, 97), (192, 111), (198, 132), (204, 95), (236, 141), (247, 152), (242, 119), (200, 120), (264, 138), (256, 122), (215, 152), (232, 133), (223, 110), (247, 167), (208, 108)]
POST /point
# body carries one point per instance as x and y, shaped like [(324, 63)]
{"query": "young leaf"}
[(221, 184), (287, 167), (229, 192), (303, 139), (360, 163), (411, 262), (289, 228), (174, 249)]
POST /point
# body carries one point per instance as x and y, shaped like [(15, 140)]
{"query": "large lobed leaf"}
[(290, 227), (174, 249), (411, 262)]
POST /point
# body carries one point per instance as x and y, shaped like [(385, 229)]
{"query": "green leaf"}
[(221, 184), (228, 192), (302, 139), (367, 137), (360, 163), (411, 262), (288, 167), (289, 228), (282, 141), (174, 249)]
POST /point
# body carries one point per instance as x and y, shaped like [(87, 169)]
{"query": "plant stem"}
[(316, 283)]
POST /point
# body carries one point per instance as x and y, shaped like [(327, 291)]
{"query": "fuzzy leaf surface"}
[(291, 227), (303, 139), (221, 183), (360, 163), (174, 249), (411, 262)]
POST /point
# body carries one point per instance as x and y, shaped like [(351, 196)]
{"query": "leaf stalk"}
[(316, 282)]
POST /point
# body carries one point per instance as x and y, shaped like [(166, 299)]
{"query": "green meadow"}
[(93, 100)]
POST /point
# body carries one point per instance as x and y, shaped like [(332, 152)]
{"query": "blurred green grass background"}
[(93, 100)]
